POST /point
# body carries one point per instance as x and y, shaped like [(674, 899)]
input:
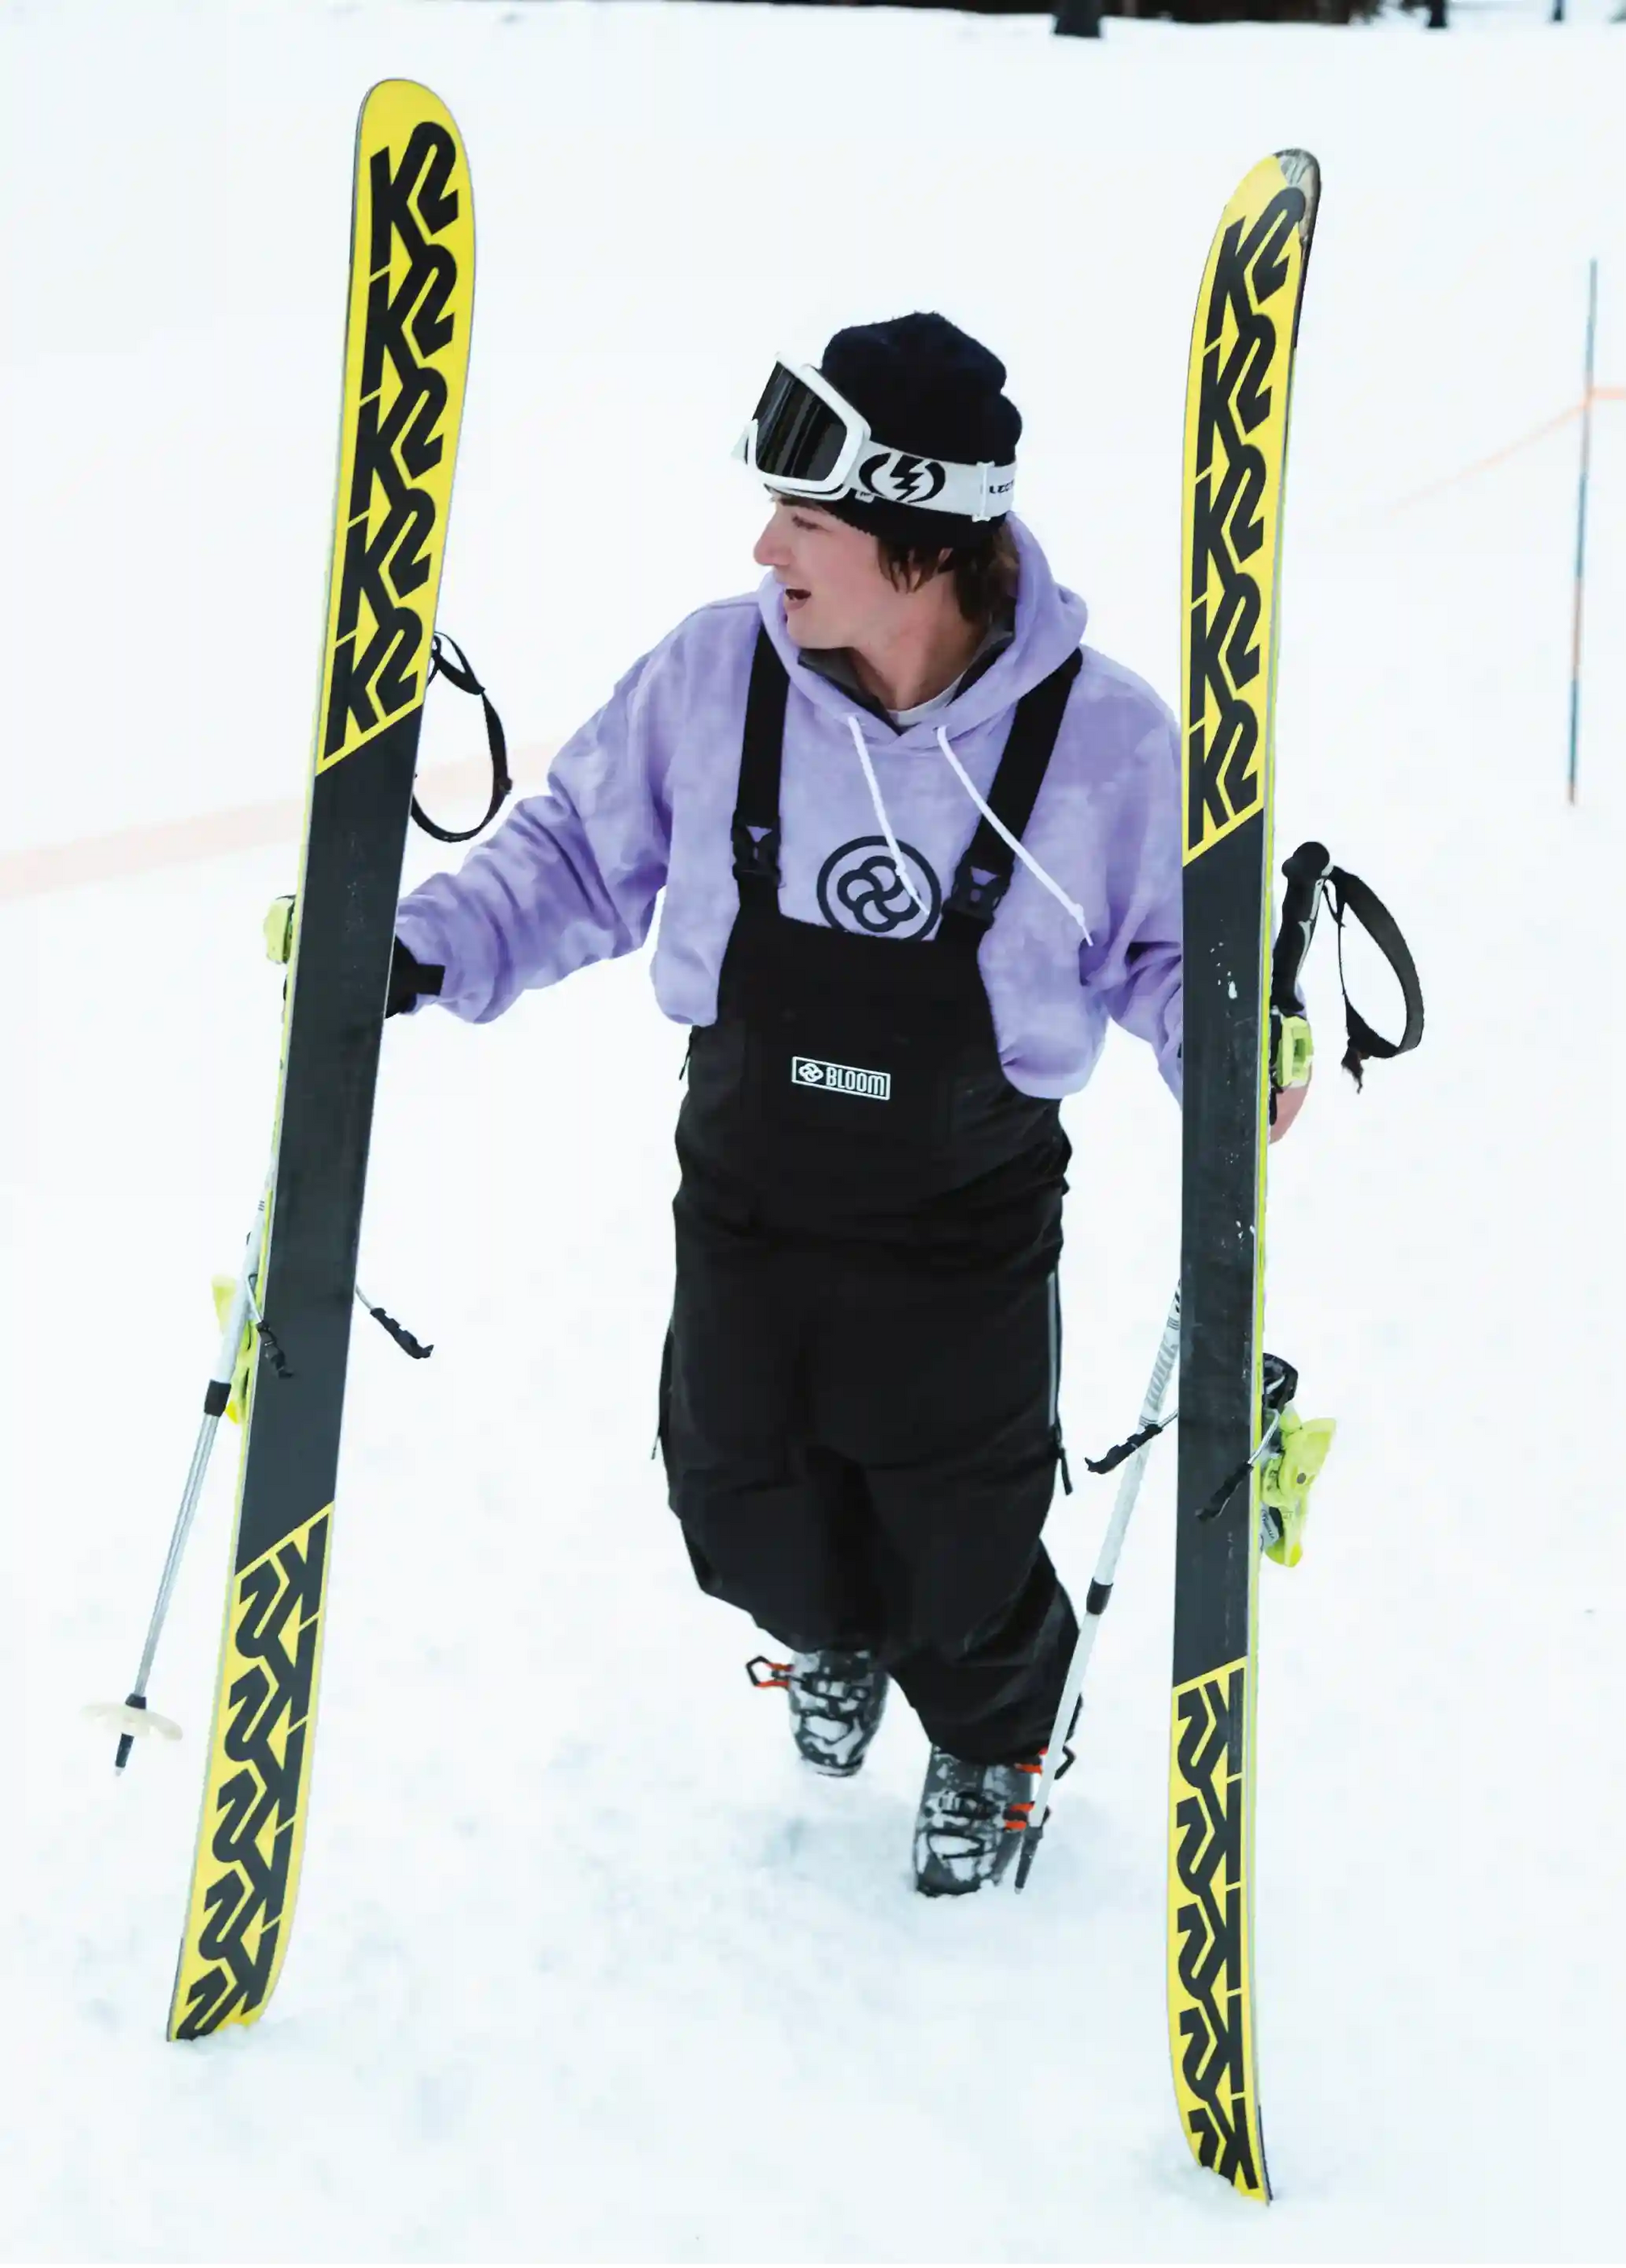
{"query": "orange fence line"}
[(1524, 441), (212, 834)]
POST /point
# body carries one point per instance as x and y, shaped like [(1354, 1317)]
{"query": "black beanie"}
[(921, 384)]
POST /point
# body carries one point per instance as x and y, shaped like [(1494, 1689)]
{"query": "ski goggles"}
[(803, 440)]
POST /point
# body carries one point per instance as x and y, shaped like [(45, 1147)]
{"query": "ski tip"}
[(396, 106), (1302, 171)]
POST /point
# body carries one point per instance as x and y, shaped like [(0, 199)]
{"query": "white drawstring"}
[(1005, 835), (899, 865), (899, 868)]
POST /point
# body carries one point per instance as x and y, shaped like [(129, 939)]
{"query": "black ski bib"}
[(852, 1086)]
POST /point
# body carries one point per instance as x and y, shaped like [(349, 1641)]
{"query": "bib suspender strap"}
[(984, 872), (756, 811)]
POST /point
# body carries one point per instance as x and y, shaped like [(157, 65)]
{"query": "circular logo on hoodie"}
[(860, 889), (902, 479)]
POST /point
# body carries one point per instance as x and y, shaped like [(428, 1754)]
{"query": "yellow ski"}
[(1236, 440), (406, 357)]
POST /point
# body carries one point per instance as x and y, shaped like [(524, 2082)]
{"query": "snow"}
[(584, 1968)]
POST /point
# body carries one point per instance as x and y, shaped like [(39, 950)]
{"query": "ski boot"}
[(837, 1699), (971, 1822)]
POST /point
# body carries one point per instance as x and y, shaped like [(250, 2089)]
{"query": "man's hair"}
[(985, 570)]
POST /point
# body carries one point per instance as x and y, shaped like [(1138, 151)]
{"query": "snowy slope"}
[(584, 1968)]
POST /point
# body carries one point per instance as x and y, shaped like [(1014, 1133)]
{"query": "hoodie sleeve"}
[(570, 877), (1135, 969)]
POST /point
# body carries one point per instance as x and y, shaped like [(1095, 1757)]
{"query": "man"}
[(917, 847)]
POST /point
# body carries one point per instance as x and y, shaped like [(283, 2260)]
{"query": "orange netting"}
[(1512, 448)]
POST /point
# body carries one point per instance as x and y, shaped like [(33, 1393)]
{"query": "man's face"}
[(835, 590)]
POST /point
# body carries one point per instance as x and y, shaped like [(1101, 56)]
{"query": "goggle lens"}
[(799, 437)]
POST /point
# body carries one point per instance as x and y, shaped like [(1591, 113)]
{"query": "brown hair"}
[(985, 570)]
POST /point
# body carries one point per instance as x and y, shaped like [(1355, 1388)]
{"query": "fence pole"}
[(1580, 533)]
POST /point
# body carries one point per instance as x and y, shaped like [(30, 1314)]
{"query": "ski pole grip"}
[(1306, 870)]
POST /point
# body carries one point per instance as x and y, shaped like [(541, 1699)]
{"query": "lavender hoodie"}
[(642, 798)]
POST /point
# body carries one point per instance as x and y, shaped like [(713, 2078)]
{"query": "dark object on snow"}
[(1081, 18), (971, 1822), (837, 1699)]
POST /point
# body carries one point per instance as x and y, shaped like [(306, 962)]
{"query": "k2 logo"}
[(275, 1630), (902, 479), (381, 630), (1213, 2076), (1241, 428), (860, 889)]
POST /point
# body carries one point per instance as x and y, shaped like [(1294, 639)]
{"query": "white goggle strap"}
[(934, 485), (897, 476)]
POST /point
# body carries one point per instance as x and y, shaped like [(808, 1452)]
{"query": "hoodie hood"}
[(1049, 624)]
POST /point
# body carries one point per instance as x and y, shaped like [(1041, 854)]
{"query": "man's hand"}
[(411, 980), (1289, 1104)]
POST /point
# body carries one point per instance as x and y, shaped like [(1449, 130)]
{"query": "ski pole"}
[(132, 1715), (1100, 1585), (1305, 870)]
